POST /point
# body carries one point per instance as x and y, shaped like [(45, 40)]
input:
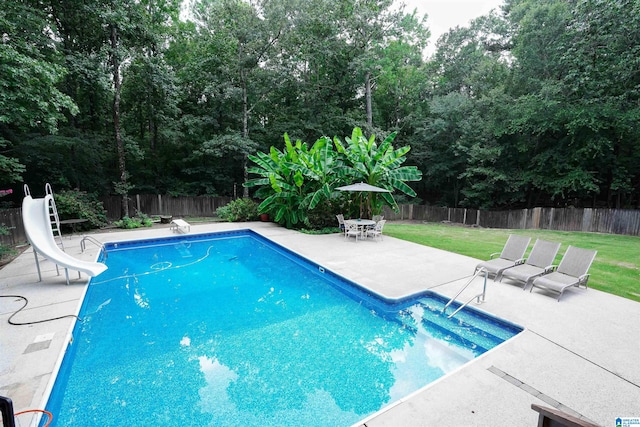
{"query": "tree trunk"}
[(367, 85), (115, 63), (245, 131)]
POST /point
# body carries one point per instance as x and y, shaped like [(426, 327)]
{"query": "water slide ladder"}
[(478, 296), (53, 216)]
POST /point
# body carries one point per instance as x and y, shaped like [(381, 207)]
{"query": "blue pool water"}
[(230, 329)]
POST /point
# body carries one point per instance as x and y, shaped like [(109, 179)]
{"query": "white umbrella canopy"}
[(362, 186)]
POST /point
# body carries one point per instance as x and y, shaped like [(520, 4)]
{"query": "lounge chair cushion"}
[(495, 266), (556, 281), (523, 272)]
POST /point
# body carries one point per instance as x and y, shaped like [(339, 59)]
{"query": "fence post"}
[(464, 217), (478, 217), (160, 204), (524, 218)]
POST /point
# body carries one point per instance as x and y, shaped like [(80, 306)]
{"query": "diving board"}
[(37, 226)]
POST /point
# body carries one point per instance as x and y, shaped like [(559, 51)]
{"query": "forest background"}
[(537, 104)]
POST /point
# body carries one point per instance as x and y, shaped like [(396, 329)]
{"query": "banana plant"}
[(294, 181), (377, 165), (298, 179)]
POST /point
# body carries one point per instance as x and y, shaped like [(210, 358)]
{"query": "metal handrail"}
[(93, 240), (482, 294)]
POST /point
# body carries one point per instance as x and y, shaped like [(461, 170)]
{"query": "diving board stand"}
[(180, 226)]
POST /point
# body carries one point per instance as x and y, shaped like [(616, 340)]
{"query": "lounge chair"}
[(538, 262), (512, 254), (572, 271), (376, 231)]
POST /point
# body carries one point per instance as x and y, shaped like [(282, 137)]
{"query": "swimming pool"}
[(230, 328)]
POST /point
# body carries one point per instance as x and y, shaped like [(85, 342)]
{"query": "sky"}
[(446, 14)]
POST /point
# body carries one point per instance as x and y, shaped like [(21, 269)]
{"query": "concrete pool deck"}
[(579, 355)]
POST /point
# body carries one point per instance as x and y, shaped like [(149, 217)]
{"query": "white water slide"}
[(37, 225)]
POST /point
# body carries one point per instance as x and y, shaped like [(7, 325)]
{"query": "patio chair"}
[(538, 262), (376, 231), (340, 218), (375, 219), (352, 229), (572, 271), (512, 254)]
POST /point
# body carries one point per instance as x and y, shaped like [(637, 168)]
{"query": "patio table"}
[(363, 224)]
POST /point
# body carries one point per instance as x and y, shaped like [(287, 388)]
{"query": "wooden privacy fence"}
[(156, 204), (12, 219), (611, 221)]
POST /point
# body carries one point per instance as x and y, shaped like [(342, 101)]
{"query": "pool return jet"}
[(37, 218)]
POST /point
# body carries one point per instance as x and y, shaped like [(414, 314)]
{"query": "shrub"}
[(239, 210), (78, 204), (141, 220)]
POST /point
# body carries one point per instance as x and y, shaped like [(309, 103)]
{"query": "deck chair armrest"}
[(582, 280), (494, 254), (550, 268), (521, 261)]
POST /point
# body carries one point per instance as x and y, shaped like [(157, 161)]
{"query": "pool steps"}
[(468, 330)]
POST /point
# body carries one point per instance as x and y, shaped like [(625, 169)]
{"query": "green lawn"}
[(616, 269)]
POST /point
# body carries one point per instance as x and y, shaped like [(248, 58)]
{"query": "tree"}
[(458, 144), (556, 163), (370, 26), (600, 56), (249, 31), (29, 72)]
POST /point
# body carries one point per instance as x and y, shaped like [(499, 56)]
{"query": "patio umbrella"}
[(362, 187)]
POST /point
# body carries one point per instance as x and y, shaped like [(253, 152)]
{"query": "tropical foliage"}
[(535, 104), (299, 183)]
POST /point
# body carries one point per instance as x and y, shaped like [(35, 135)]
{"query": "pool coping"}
[(553, 362)]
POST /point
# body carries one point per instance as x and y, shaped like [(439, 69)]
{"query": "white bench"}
[(180, 226)]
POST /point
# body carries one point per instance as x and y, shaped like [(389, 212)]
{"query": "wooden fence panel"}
[(493, 219), (153, 204), (626, 222), (417, 213), (568, 219), (12, 219)]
